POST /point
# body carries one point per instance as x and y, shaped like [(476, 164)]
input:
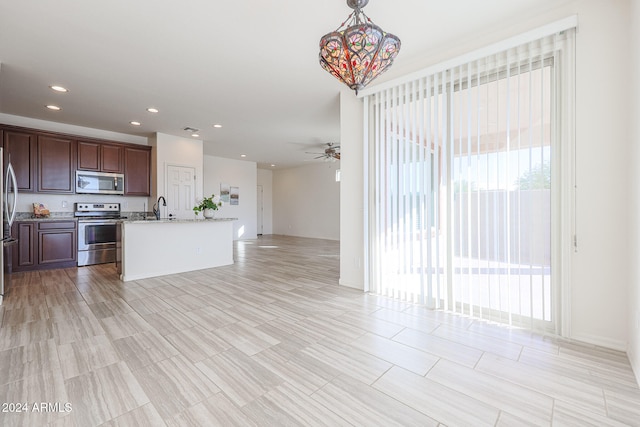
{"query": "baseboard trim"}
[(601, 342), (634, 360), (359, 287)]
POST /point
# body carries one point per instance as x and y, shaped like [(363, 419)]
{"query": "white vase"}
[(208, 213)]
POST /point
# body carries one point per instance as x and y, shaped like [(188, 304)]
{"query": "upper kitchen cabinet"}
[(137, 171), (20, 149), (100, 157), (111, 158), (88, 156), (56, 164)]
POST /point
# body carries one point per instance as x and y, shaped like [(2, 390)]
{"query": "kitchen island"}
[(150, 248)]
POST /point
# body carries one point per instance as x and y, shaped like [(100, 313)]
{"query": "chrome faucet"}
[(156, 206)]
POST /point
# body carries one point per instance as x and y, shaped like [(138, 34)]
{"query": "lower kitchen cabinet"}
[(24, 255), (45, 245)]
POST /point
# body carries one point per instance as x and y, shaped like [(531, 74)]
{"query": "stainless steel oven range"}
[(97, 223)]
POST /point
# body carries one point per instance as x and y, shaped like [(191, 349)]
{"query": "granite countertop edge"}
[(174, 221)]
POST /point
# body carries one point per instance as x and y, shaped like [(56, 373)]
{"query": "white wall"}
[(55, 202), (634, 181), (352, 195), (600, 268), (306, 201), (265, 179), (169, 150), (236, 173)]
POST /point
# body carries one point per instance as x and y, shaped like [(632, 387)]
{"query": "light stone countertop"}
[(26, 217), (174, 221)]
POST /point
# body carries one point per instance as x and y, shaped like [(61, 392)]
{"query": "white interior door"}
[(260, 210), (181, 193)]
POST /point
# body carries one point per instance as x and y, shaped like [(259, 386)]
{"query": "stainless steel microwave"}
[(89, 182)]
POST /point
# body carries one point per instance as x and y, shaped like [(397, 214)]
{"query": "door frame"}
[(195, 180)]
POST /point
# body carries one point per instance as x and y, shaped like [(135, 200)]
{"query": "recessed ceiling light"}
[(135, 123), (195, 135), (217, 126), (54, 107), (273, 166), (59, 88), (243, 155), (152, 110)]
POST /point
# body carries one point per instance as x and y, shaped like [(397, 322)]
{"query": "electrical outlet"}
[(198, 251)]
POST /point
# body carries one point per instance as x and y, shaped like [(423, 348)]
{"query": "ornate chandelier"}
[(358, 51)]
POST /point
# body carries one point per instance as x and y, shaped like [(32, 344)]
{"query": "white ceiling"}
[(251, 66)]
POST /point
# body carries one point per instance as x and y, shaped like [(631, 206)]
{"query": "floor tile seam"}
[(381, 390), (366, 350), (498, 379), (482, 352), (586, 370), (315, 398), (490, 339), (554, 396), (93, 375)]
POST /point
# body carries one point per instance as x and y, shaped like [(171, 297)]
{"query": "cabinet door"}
[(56, 246), (137, 171), (88, 156), (20, 148), (24, 254), (56, 164), (111, 159)]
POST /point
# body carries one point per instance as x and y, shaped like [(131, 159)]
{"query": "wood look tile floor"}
[(273, 340)]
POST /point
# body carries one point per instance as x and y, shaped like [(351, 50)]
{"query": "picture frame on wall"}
[(234, 195), (224, 193)]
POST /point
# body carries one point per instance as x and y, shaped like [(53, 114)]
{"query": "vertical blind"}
[(460, 184)]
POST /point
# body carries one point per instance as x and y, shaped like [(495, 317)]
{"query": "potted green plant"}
[(207, 206)]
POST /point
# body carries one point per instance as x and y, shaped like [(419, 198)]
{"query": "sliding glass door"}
[(461, 184)]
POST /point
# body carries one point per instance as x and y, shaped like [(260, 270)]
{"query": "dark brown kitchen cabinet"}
[(137, 171), (44, 245), (20, 149), (100, 157), (57, 242), (88, 156), (111, 158), (56, 164), (24, 253), (46, 162)]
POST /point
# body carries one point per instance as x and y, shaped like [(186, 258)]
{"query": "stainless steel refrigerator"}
[(8, 199)]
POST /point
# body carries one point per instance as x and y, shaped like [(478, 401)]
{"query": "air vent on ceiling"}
[(192, 130)]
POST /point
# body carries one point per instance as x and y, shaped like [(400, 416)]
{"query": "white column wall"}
[(600, 267), (634, 183), (352, 195)]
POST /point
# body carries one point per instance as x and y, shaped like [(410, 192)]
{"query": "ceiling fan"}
[(331, 153)]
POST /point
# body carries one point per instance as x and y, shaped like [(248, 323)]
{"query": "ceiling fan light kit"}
[(358, 51), (331, 153)]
